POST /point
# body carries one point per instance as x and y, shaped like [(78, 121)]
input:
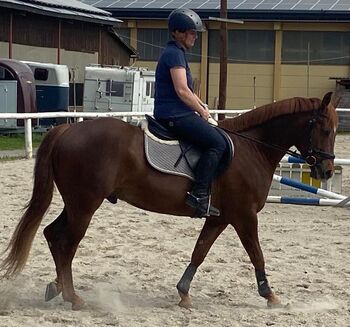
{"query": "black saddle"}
[(189, 152), (159, 130)]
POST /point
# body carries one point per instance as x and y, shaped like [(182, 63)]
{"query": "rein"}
[(313, 154), (273, 146)]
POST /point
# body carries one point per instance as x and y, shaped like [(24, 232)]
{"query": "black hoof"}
[(51, 291)]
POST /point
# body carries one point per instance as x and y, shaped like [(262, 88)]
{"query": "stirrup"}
[(202, 205)]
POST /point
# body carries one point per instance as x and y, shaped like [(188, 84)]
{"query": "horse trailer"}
[(118, 89), (52, 89)]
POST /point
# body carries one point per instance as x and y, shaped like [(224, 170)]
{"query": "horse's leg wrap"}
[(263, 285), (184, 284)]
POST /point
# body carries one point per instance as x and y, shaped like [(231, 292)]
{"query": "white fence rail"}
[(27, 117)]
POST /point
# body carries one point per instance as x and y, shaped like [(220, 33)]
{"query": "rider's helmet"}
[(183, 20)]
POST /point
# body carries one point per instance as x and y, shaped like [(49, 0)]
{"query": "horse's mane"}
[(265, 113)]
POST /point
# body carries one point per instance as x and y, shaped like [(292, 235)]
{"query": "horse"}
[(104, 158)]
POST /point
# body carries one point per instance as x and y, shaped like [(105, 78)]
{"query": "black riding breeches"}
[(195, 130)]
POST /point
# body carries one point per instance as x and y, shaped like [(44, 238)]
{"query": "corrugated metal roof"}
[(64, 8), (71, 4)]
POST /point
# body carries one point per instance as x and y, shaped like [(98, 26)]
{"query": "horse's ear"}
[(335, 100), (327, 99)]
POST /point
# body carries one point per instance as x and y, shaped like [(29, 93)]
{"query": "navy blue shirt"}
[(167, 103)]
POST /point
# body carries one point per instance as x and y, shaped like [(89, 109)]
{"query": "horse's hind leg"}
[(64, 236), (210, 232), (51, 233), (247, 230)]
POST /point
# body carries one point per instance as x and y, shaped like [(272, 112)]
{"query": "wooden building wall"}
[(111, 54), (39, 31), (70, 42)]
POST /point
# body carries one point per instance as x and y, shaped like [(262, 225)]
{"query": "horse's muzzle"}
[(322, 171)]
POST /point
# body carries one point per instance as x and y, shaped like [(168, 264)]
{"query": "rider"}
[(181, 110)]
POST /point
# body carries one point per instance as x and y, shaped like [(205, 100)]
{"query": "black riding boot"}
[(199, 198), (201, 202)]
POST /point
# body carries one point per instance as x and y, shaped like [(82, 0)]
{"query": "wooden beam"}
[(223, 57)]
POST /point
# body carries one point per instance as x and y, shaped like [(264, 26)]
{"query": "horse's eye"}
[(327, 131)]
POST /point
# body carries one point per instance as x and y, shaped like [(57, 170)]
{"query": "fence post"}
[(28, 138)]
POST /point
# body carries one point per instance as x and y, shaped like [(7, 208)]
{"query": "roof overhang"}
[(100, 16)]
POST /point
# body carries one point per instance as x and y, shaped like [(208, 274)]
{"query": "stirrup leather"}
[(202, 205)]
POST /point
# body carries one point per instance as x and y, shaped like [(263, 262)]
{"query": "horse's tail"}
[(22, 238)]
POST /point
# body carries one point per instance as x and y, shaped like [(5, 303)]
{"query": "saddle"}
[(166, 153)]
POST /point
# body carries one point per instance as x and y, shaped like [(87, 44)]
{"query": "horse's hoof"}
[(273, 301), (78, 304), (52, 290), (185, 300)]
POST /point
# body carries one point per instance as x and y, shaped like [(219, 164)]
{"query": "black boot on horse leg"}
[(265, 291), (199, 198), (211, 230), (247, 230), (183, 286)]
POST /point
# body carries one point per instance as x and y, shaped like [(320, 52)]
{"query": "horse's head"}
[(319, 153)]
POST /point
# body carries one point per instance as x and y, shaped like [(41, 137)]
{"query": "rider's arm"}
[(178, 76), (199, 100)]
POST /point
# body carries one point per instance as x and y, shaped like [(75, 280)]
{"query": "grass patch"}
[(17, 142)]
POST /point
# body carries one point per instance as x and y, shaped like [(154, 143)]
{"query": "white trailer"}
[(8, 101), (118, 89)]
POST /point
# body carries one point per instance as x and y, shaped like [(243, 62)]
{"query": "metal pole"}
[(28, 138), (254, 90), (308, 70)]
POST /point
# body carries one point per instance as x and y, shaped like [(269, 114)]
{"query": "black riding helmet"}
[(183, 20)]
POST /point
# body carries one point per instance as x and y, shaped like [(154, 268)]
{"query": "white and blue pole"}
[(308, 188), (291, 160), (306, 201)]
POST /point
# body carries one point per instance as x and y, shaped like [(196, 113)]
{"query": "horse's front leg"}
[(247, 229), (211, 230)]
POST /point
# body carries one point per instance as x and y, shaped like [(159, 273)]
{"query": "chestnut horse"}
[(104, 159)]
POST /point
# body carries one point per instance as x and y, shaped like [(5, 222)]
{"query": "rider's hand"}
[(205, 114), (212, 121)]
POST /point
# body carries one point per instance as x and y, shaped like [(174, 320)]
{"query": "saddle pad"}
[(163, 156)]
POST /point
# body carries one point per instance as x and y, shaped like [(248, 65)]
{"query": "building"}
[(285, 48), (63, 32)]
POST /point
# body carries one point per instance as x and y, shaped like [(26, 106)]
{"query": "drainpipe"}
[(59, 43), (10, 36)]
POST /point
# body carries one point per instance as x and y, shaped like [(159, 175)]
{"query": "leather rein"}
[(313, 156)]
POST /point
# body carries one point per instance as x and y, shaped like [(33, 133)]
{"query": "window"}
[(245, 46), (41, 74), (114, 89), (150, 89), (322, 48), (151, 42)]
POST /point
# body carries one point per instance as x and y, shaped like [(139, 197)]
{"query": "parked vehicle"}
[(52, 89), (119, 89)]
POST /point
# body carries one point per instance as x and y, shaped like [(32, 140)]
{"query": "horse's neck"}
[(282, 132)]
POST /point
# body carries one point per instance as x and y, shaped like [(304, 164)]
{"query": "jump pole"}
[(291, 160), (307, 201), (308, 188)]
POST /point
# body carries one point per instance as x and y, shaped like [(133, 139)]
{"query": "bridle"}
[(313, 155)]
